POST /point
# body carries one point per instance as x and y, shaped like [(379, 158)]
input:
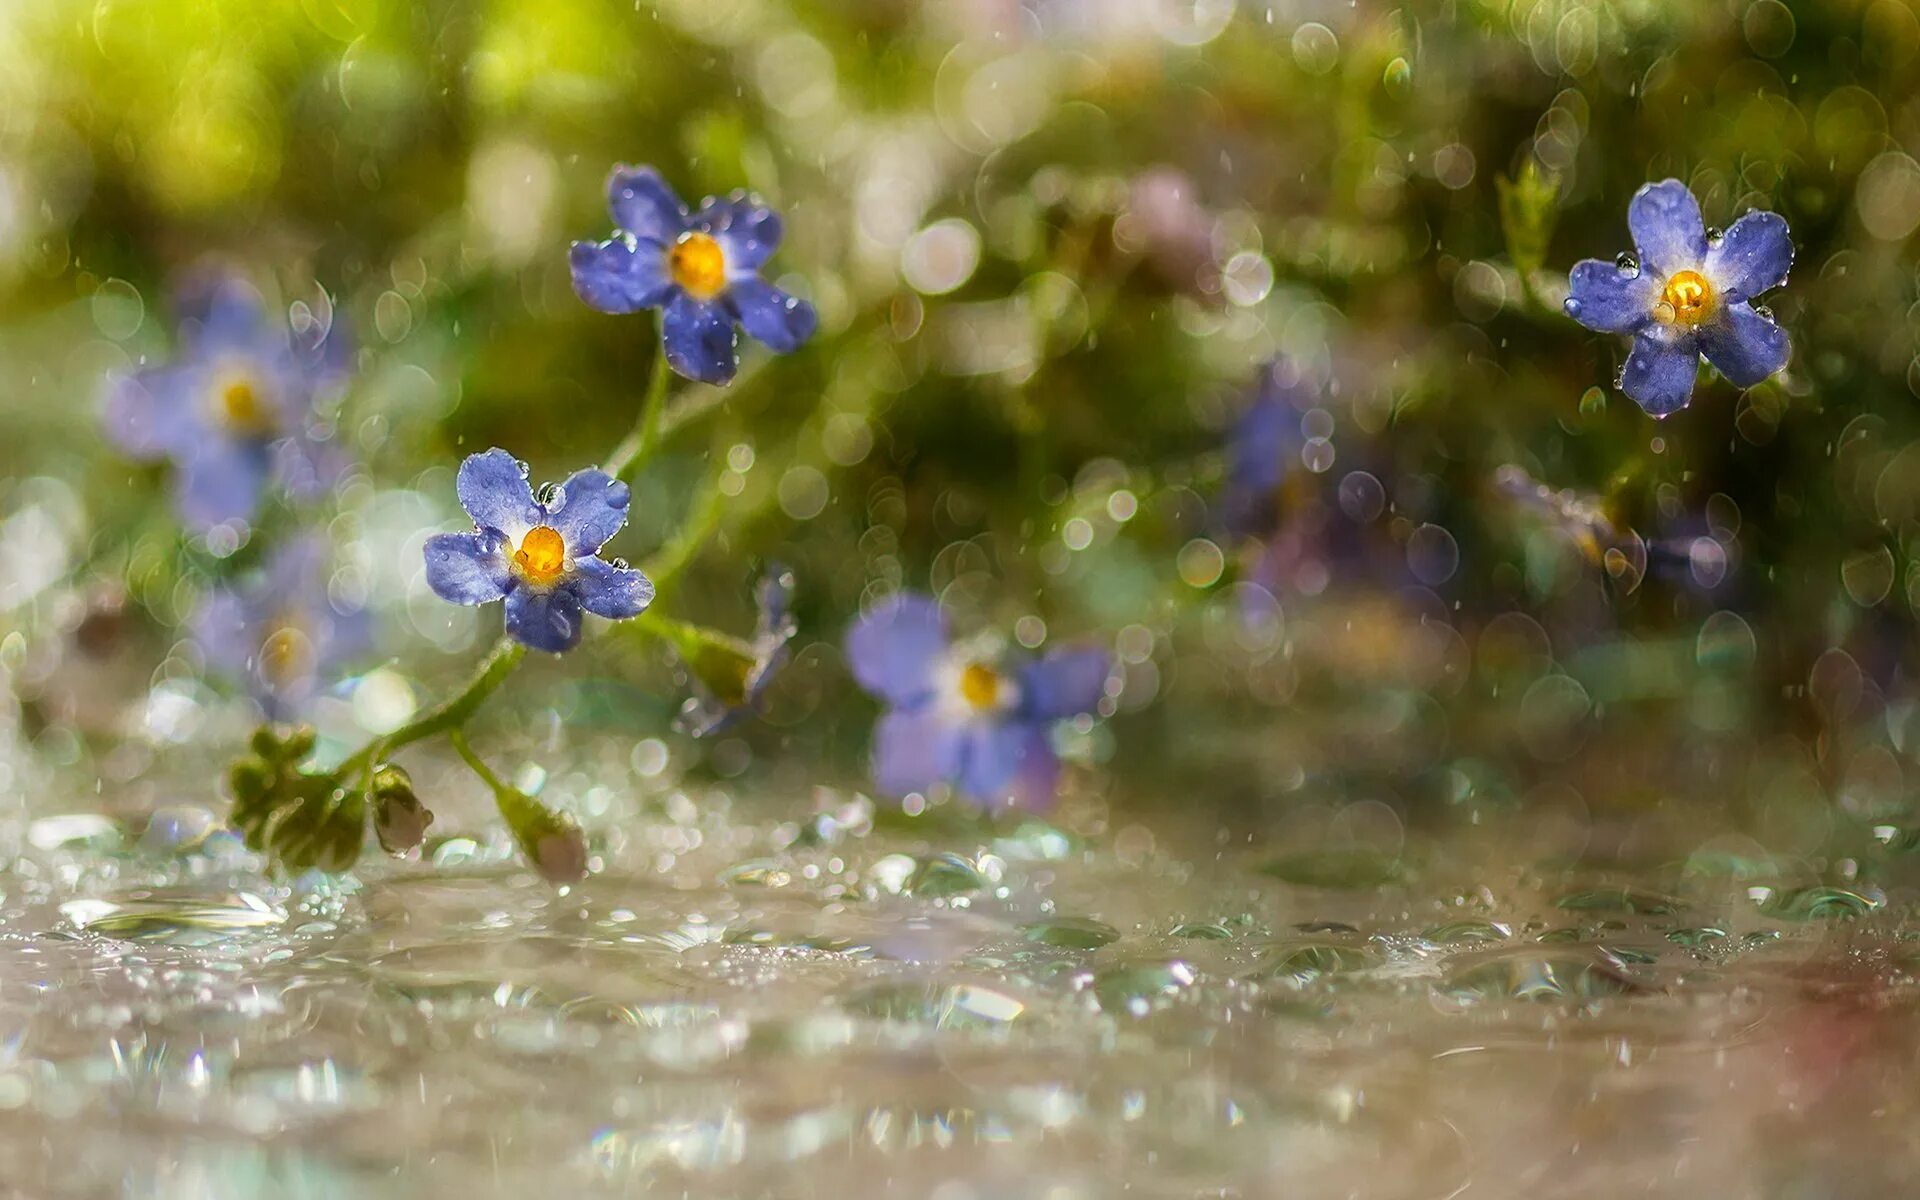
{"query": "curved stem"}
[(638, 446), (448, 715)]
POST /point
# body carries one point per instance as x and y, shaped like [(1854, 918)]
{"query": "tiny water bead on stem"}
[(1688, 295), (233, 412), (701, 269), (956, 716), (540, 556)]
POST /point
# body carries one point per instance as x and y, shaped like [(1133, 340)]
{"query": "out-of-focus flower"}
[(962, 717), (1582, 518), (702, 268), (234, 410), (1689, 295), (724, 695), (281, 633), (1264, 447), (540, 556)]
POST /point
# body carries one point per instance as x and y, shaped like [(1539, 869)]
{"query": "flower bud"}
[(399, 819)]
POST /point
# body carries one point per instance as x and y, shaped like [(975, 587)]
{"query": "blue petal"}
[(699, 339), (894, 648), (1009, 763), (152, 414), (781, 321), (747, 230), (1037, 777), (1752, 257), (609, 591), (221, 481), (228, 317), (912, 751), (544, 620), (621, 275), (1744, 346), (1065, 683), (1664, 219), (590, 508), (308, 468), (1603, 297), (220, 627), (468, 568), (644, 205), (1659, 373), (493, 489)]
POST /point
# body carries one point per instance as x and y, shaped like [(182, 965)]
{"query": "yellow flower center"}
[(698, 265), (1686, 300), (239, 405), (980, 686), (542, 556)]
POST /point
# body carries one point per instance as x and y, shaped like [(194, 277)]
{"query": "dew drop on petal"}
[(1628, 263)]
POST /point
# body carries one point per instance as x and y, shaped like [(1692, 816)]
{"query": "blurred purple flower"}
[(540, 556), (1689, 295), (701, 269), (281, 634), (234, 410), (955, 718), (710, 710), (1264, 446)]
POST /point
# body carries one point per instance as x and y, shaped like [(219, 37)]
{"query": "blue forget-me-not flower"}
[(541, 555), (959, 716), (1689, 294), (282, 633), (234, 409), (702, 268)]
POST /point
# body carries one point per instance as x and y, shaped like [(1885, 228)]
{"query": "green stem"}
[(669, 561), (476, 764), (638, 446), (449, 715)]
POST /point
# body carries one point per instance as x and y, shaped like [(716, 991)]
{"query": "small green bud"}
[(399, 819), (550, 840)]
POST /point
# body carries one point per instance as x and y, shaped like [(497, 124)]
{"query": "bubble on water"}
[(1474, 932), (175, 918), (1201, 930), (1138, 989), (1071, 933), (945, 874), (1538, 978), (1301, 966), (1820, 903), (1617, 900)]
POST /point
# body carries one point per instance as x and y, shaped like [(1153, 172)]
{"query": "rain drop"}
[(1628, 263)]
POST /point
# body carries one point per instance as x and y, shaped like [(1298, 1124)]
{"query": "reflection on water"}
[(942, 1007)]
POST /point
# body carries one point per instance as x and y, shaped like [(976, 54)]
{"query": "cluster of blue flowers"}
[(241, 414)]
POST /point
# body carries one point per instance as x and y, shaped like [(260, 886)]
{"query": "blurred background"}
[(1053, 245)]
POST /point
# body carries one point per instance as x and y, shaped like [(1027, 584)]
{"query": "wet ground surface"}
[(741, 1004)]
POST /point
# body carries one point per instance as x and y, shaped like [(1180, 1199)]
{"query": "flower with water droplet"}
[(1689, 294), (702, 269), (282, 633), (958, 716), (234, 409), (542, 560)]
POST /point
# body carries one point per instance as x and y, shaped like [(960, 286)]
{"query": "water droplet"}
[(617, 563), (1628, 264), (1203, 930), (945, 874), (1301, 966), (521, 464), (1344, 870), (1071, 933)]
